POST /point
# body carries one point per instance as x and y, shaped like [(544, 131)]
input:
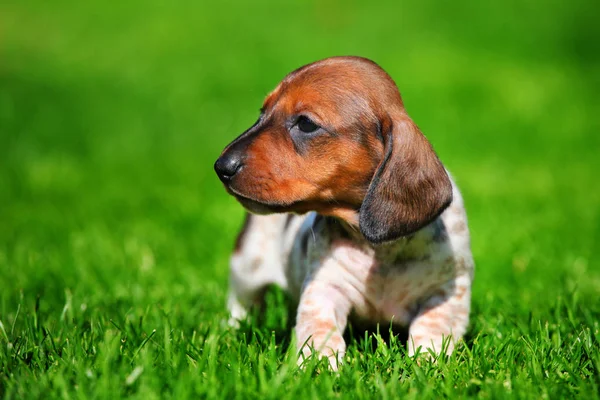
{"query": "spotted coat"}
[(422, 281)]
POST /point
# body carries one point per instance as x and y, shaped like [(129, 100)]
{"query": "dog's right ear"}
[(410, 187)]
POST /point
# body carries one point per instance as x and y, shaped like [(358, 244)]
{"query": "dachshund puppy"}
[(375, 229)]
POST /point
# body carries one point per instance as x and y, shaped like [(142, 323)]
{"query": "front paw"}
[(325, 344)]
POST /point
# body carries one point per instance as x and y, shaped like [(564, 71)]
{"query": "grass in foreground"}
[(156, 352)]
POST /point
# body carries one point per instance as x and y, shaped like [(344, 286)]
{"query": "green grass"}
[(115, 233)]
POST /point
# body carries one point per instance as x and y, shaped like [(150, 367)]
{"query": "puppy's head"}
[(333, 137)]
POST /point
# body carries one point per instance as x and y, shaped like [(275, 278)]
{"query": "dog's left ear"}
[(410, 187)]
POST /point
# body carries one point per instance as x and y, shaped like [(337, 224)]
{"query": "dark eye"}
[(306, 125)]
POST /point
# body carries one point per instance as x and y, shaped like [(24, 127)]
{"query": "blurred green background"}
[(112, 114)]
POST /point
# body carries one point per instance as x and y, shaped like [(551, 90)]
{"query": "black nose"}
[(228, 165)]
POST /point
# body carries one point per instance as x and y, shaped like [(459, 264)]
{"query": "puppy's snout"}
[(228, 165)]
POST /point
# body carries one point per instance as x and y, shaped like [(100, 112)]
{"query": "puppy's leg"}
[(444, 316), (244, 292), (255, 264), (322, 316)]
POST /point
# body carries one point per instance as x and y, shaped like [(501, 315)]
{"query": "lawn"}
[(115, 232)]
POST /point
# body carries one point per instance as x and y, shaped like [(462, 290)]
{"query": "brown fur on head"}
[(334, 137)]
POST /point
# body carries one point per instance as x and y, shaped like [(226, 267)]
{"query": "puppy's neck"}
[(345, 224)]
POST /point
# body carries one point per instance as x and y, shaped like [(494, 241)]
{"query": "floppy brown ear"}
[(410, 187)]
